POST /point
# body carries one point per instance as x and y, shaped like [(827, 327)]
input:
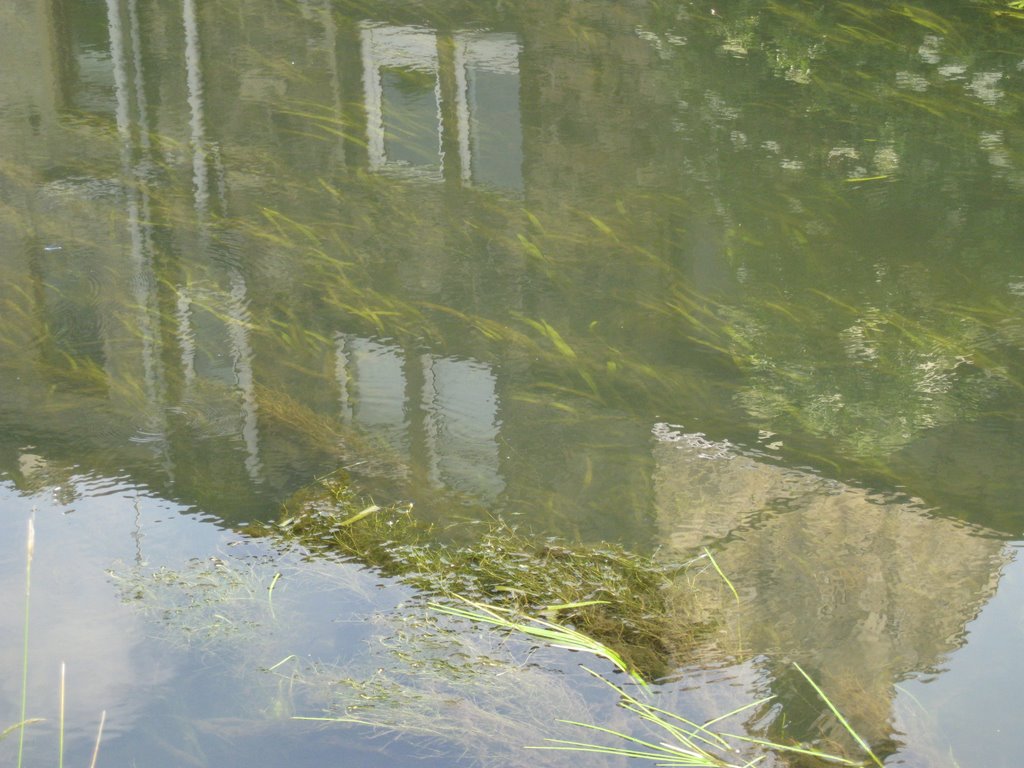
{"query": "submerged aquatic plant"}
[(451, 690), (550, 632), (193, 600), (698, 744), (435, 681), (689, 743), (415, 675), (647, 610)]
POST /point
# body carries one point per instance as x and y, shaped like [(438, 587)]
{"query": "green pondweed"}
[(453, 692), (431, 680), (645, 609)]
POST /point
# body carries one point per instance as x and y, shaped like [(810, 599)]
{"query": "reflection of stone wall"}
[(862, 590)]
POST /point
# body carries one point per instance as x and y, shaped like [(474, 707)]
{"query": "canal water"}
[(688, 278)]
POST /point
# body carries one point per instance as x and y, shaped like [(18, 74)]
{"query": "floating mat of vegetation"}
[(648, 611)]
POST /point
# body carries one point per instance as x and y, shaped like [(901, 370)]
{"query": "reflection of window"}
[(490, 134), (217, 360), (400, 68), (461, 413), (406, 120), (374, 388), (410, 101), (212, 358), (457, 406)]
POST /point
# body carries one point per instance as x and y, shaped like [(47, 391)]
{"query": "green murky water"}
[(743, 275)]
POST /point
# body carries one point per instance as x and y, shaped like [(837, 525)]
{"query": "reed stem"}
[(60, 732), (30, 549), (99, 737)]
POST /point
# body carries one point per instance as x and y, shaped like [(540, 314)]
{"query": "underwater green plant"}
[(646, 609), (690, 743), (604, 601), (699, 744), (552, 633), (389, 702)]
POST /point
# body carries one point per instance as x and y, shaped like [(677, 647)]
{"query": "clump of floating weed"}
[(206, 602), (627, 601), (330, 518)]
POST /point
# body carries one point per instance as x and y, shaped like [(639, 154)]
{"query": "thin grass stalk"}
[(845, 723), (776, 747), (688, 754), (60, 728), (689, 737), (370, 723), (721, 573), (270, 594), (30, 549), (557, 635), (655, 715), (697, 745), (12, 728), (99, 736)]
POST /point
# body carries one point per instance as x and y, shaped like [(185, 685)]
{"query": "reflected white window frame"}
[(367, 368), (403, 47), (230, 308), (474, 52)]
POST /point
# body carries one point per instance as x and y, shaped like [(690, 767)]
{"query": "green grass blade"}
[(60, 729), (30, 549), (776, 747), (572, 746), (849, 728), (556, 634), (610, 732), (736, 711), (581, 604), (12, 728), (721, 573)]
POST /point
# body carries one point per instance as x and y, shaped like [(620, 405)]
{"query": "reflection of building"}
[(200, 327), (862, 590), (407, 117), (436, 106)]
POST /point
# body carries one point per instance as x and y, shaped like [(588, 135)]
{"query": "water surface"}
[(744, 276)]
